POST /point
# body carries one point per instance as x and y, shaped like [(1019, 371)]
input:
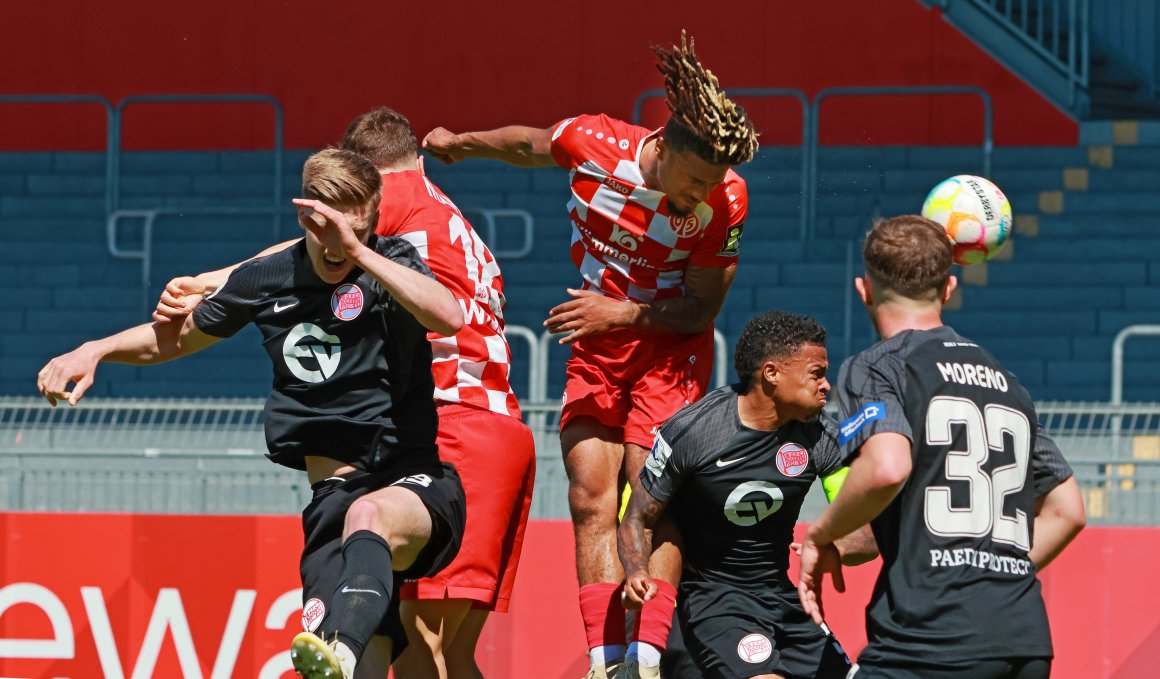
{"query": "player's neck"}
[(892, 318), (648, 164), (408, 166), (758, 411)]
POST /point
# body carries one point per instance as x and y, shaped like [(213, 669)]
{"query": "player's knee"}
[(363, 514), (591, 502)]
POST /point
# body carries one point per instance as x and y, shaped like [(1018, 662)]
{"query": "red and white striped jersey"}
[(624, 241), (473, 366)]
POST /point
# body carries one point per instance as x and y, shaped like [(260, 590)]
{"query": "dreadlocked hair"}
[(703, 119)]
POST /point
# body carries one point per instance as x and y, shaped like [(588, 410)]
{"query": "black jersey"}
[(352, 368), (956, 582), (736, 492)]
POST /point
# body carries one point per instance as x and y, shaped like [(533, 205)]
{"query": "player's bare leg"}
[(432, 627), (651, 626), (461, 654), (593, 456)]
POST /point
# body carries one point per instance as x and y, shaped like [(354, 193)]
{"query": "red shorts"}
[(496, 459), (634, 380)]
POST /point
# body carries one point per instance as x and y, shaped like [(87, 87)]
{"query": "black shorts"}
[(1002, 668), (322, 523), (734, 633)]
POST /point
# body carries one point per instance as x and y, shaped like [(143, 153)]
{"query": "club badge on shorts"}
[(754, 648), (347, 302), (312, 614), (792, 459)]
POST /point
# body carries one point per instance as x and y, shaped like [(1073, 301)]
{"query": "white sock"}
[(602, 655), (345, 658), (647, 654)]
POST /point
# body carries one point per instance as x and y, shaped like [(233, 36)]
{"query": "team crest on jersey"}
[(347, 302), (754, 648), (792, 459), (685, 226), (312, 614)]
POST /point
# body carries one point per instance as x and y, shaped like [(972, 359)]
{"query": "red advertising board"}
[(201, 597)]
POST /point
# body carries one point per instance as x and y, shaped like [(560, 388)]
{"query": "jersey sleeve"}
[(1048, 468), (720, 245), (870, 399), (399, 250), (574, 142), (229, 308), (665, 468)]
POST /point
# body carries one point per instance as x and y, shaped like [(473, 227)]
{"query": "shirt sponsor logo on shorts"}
[(658, 459), (312, 614), (347, 302), (868, 413), (754, 648), (792, 459)]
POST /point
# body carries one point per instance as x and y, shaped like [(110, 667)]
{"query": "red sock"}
[(603, 614), (655, 618)]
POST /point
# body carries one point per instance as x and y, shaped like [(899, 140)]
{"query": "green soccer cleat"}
[(313, 658)]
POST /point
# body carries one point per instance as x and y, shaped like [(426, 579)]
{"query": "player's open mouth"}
[(333, 262)]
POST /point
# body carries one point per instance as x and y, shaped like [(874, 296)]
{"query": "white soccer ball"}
[(975, 214)]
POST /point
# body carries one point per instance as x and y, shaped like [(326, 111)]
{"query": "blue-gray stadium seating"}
[(1049, 312)]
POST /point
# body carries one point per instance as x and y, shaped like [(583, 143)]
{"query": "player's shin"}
[(604, 626), (364, 593), (650, 630)]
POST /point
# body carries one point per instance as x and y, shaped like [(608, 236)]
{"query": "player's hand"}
[(638, 589), (331, 227), (817, 560), (588, 313), (440, 143), (79, 366), (181, 295)]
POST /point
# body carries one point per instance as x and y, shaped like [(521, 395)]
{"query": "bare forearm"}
[(1059, 519), (145, 344), (634, 545), (677, 315), (515, 144), (858, 547), (426, 299)]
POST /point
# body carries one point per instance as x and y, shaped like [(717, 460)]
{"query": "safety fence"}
[(206, 456)]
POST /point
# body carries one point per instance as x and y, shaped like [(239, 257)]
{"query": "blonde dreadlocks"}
[(703, 119)]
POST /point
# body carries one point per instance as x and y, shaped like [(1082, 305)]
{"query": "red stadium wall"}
[(118, 596), (472, 65)]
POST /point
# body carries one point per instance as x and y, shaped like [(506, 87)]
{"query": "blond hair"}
[(703, 119), (342, 178)]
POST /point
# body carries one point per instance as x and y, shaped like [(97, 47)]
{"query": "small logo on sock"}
[(348, 590), (312, 614)]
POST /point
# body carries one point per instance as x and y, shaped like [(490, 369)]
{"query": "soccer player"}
[(967, 496), (480, 430), (344, 315), (657, 217), (733, 470)]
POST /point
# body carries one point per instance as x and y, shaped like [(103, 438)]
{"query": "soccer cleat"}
[(609, 670), (632, 669), (313, 658)]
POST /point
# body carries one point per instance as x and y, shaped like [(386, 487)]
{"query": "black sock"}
[(364, 593)]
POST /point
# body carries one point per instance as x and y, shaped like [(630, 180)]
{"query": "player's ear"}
[(862, 285), (952, 283), (770, 372), (419, 165)]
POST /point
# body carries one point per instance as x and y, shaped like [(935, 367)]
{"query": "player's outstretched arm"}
[(184, 293), (634, 544), (591, 313), (858, 547), (1059, 517), (141, 345), (424, 298), (514, 144)]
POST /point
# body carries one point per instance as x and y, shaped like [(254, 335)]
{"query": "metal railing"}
[(916, 90), (1130, 29), (775, 92), (491, 217), (1118, 355), (1042, 25), (110, 134), (206, 456)]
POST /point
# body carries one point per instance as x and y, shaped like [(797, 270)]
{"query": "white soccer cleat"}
[(609, 670), (632, 669), (313, 658)]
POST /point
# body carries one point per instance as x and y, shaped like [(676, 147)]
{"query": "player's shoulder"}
[(715, 408), (600, 135), (402, 193)]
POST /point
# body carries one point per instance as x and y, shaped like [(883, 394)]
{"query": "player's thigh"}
[(729, 632), (593, 455), (595, 387), (398, 514)]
